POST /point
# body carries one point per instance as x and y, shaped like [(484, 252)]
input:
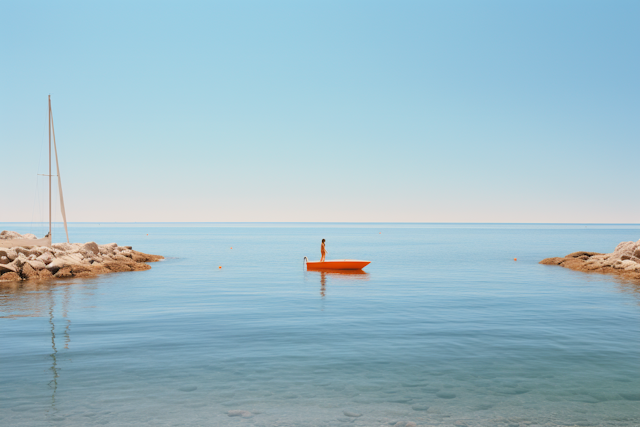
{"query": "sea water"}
[(443, 328)]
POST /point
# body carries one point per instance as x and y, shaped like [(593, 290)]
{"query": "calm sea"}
[(444, 328)]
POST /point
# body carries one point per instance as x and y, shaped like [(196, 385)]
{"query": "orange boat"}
[(336, 264)]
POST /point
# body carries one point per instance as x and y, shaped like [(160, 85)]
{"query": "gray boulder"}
[(46, 258), (20, 260), (11, 254), (29, 272), (91, 247), (4, 268), (36, 264), (8, 235)]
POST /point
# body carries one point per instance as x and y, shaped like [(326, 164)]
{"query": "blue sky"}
[(411, 111)]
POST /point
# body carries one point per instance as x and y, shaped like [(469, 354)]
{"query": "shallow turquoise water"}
[(445, 328)]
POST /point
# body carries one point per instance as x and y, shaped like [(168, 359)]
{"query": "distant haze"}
[(356, 111)]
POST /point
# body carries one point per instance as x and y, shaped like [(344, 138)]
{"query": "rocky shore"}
[(67, 259), (623, 261)]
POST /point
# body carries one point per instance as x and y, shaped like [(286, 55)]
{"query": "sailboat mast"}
[(55, 152), (50, 167)]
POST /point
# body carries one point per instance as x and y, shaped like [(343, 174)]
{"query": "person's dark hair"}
[(322, 240)]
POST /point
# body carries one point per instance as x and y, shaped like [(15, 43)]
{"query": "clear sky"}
[(400, 111)]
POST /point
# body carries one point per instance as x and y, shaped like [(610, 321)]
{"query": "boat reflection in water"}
[(336, 277), (44, 299)]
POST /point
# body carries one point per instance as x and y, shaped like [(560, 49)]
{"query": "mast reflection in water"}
[(38, 299)]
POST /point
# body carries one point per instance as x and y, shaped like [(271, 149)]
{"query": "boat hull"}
[(337, 264), (25, 243)]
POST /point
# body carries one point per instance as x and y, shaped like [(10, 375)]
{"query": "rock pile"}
[(67, 260), (10, 235), (624, 261)]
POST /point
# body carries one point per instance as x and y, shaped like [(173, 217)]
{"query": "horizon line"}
[(313, 222)]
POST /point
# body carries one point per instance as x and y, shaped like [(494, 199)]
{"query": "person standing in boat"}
[(323, 251)]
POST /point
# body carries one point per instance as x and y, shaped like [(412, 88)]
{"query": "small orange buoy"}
[(220, 267), (515, 259), (231, 248)]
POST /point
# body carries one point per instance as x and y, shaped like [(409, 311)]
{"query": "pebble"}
[(446, 395), (400, 400), (412, 384), (368, 388), (631, 396), (584, 399), (483, 407), (514, 391), (239, 413), (420, 407), (367, 400)]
